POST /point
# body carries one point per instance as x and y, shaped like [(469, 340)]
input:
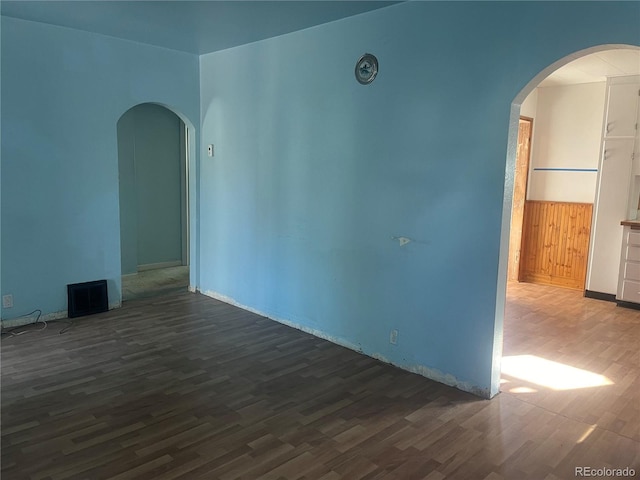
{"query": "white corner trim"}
[(316, 333), (430, 373), (155, 266), (27, 320), (49, 317)]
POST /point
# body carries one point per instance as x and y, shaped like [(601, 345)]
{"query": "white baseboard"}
[(49, 317), (156, 266), (430, 373), (26, 320)]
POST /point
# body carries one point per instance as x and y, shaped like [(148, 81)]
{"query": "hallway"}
[(152, 283)]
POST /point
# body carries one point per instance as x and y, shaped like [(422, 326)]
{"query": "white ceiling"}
[(197, 27), (596, 67)]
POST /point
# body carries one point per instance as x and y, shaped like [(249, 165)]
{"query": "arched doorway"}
[(153, 160), (602, 186)]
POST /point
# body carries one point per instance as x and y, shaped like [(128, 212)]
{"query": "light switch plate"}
[(7, 301)]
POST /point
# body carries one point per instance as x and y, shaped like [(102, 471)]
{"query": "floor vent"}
[(87, 298)]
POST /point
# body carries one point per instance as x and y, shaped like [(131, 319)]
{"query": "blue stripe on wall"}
[(546, 169)]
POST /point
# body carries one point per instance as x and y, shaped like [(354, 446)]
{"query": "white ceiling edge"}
[(596, 68)]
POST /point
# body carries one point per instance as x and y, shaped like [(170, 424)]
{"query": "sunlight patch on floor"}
[(550, 374), (586, 434), (522, 390)]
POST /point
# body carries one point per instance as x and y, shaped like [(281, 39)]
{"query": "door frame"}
[(517, 217), (184, 191), (190, 199), (514, 115)]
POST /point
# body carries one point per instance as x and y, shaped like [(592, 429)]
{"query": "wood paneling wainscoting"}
[(555, 243)]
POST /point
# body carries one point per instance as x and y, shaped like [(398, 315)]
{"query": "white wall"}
[(567, 126), (530, 105)]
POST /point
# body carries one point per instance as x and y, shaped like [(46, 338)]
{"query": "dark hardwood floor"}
[(184, 386)]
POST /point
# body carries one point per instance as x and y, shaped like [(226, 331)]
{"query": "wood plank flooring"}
[(186, 387)]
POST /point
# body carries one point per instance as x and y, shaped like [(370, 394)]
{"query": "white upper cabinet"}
[(618, 187), (622, 112)]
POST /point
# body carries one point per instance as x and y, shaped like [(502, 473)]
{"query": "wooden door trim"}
[(517, 213)]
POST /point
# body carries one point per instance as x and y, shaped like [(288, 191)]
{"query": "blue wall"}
[(315, 175), (150, 164), (63, 92)]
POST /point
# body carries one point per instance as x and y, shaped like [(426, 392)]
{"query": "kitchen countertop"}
[(630, 223)]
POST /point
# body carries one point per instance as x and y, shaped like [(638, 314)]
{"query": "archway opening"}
[(545, 327), (153, 160)]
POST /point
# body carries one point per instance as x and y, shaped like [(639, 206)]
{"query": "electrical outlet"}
[(7, 301), (210, 150), (393, 337)]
